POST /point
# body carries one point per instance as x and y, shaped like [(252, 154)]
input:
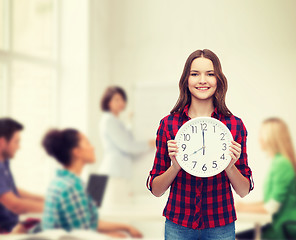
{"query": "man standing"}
[(13, 201)]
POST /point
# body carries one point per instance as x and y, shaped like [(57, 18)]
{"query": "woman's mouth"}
[(202, 88)]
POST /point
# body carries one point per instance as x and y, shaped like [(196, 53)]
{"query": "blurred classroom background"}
[(57, 57)]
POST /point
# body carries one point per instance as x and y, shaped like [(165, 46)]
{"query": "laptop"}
[(96, 187)]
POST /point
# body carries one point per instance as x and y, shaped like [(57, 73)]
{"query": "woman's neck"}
[(116, 114), (76, 167), (201, 108)]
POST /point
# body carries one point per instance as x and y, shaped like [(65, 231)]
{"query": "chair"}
[(289, 229)]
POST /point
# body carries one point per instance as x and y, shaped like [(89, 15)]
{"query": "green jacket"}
[(280, 185)]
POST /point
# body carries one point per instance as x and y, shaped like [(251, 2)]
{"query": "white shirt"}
[(120, 147), (272, 206)]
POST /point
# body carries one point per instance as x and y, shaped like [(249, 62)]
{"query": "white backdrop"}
[(255, 42), (143, 45)]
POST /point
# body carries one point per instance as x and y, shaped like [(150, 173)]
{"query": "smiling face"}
[(202, 82)]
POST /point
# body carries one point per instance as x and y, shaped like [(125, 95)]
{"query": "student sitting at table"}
[(67, 205), (13, 201), (280, 184)]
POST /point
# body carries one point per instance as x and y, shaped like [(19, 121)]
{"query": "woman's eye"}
[(194, 74), (211, 74)]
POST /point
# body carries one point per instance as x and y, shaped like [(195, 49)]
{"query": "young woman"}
[(67, 205), (200, 208), (121, 149), (280, 184)]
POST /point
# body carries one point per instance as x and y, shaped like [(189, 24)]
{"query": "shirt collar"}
[(66, 173), (214, 114)]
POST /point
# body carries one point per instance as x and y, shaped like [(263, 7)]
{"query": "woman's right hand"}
[(173, 150), (162, 182)]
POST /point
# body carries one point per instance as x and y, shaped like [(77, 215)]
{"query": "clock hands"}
[(203, 141), (196, 151)]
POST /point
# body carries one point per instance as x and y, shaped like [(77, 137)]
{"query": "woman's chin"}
[(90, 161), (203, 96)]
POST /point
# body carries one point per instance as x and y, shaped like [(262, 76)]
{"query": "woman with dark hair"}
[(200, 208), (120, 147), (67, 205)]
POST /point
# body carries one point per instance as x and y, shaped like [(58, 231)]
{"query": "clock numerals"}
[(185, 157), (224, 146), (186, 137), (204, 168), (194, 129), (203, 126), (197, 140), (194, 163)]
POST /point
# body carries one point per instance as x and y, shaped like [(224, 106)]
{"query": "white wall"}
[(74, 55), (99, 72), (255, 41), (137, 43)]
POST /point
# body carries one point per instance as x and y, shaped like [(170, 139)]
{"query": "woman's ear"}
[(3, 142), (75, 153)]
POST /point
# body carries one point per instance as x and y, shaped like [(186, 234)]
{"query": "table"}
[(146, 210), (140, 212), (255, 219)]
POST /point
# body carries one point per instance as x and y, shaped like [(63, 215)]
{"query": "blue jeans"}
[(174, 231)]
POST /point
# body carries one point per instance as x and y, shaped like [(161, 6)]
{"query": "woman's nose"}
[(202, 78)]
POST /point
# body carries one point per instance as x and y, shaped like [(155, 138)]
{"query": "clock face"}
[(203, 144)]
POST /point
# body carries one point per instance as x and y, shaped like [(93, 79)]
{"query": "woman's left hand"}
[(240, 206), (235, 152), (134, 232)]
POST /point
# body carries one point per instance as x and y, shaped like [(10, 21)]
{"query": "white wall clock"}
[(203, 144)]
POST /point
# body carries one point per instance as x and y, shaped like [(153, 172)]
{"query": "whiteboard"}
[(152, 102)]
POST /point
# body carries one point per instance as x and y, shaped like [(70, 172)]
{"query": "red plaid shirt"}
[(197, 202)]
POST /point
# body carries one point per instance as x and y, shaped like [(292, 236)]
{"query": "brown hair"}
[(276, 136), (219, 96), (108, 94), (8, 127)]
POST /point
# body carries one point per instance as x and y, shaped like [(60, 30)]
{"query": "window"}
[(3, 19), (29, 72), (33, 30), (3, 102)]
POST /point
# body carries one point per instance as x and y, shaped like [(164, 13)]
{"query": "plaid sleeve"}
[(75, 209), (162, 160), (242, 162), (50, 216)]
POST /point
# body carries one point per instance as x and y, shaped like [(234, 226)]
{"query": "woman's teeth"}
[(203, 88)]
